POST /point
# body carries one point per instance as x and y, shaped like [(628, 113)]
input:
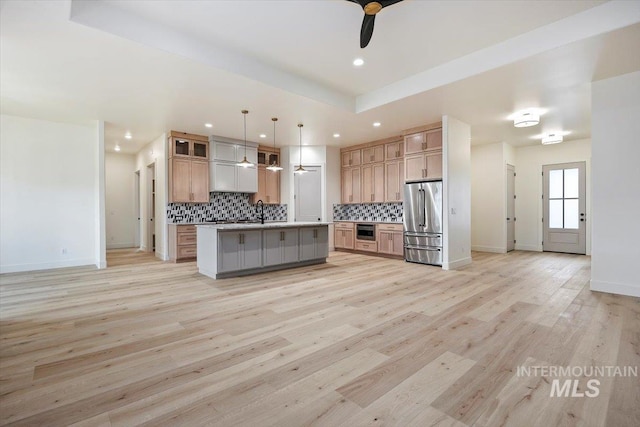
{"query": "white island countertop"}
[(258, 226)]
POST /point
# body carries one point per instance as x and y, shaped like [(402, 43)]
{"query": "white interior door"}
[(564, 217), (511, 208), (308, 194), (137, 213)]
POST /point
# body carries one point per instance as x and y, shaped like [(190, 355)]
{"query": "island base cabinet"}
[(239, 250), (280, 247), (314, 243)]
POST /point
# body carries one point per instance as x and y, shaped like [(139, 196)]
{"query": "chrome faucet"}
[(260, 210)]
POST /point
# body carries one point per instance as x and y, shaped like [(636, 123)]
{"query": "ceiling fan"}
[(370, 9)]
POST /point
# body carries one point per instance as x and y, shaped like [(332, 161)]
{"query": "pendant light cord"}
[(244, 115), (300, 127)]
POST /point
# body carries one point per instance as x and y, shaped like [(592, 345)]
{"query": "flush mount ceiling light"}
[(336, 135), (525, 119), (300, 169), (128, 135), (245, 163), (358, 62), (208, 125), (274, 167), (263, 135), (552, 138), (117, 148), (376, 124)]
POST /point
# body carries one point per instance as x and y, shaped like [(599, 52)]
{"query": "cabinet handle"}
[(315, 233), (282, 235), (350, 162), (268, 197), (372, 197)]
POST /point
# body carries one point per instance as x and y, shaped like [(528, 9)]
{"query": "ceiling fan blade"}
[(367, 30), (386, 3)]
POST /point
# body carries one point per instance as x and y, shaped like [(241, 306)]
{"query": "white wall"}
[(120, 200), (49, 193), (529, 206), (154, 153), (615, 134), (456, 152), (488, 198)]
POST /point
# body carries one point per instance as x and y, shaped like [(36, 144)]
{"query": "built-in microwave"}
[(366, 232)]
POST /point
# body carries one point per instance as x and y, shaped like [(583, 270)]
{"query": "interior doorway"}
[(137, 238), (511, 208), (151, 203), (564, 212), (307, 190)]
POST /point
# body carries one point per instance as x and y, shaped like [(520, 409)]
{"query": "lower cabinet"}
[(343, 236), (182, 242), (314, 243), (239, 250), (280, 246), (390, 239)]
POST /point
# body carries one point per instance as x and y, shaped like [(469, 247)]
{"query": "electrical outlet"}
[(64, 251), (453, 211)]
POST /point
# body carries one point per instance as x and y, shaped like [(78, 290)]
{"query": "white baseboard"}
[(533, 248), (121, 245), (162, 256), (456, 264), (493, 249), (101, 264), (17, 268), (615, 288)]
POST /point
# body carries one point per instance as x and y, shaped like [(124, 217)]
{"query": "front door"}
[(564, 216)]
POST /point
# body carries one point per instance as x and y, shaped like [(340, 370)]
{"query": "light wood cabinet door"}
[(415, 143), (433, 165), (414, 167), (394, 181), (262, 185), (394, 150), (199, 182), (390, 242), (373, 154), (180, 180), (433, 140), (351, 158), (373, 183), (272, 187), (351, 185)]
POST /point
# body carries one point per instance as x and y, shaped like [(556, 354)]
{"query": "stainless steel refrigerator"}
[(422, 215)]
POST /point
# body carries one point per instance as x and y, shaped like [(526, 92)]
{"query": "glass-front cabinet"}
[(183, 147)]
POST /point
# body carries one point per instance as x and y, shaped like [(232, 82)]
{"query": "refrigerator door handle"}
[(422, 207)]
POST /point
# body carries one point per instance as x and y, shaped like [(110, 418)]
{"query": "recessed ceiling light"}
[(358, 62), (376, 124), (128, 135), (262, 135), (117, 148), (208, 125), (336, 135)]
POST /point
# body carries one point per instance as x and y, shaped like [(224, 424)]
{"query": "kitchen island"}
[(229, 250)]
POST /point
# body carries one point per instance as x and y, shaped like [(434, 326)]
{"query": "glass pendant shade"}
[(274, 167)]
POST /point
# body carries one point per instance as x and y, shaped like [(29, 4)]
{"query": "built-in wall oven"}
[(366, 232)]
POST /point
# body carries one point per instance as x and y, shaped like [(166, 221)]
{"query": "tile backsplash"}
[(374, 212), (222, 206)]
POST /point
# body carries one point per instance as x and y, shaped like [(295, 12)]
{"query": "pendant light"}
[(245, 163), (274, 167), (300, 169)]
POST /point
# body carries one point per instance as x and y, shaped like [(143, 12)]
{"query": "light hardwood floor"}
[(357, 341)]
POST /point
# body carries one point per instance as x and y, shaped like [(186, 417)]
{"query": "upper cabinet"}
[(268, 181), (394, 150), (188, 168), (351, 158), (188, 145), (373, 154), (423, 155), (430, 140), (225, 174)]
